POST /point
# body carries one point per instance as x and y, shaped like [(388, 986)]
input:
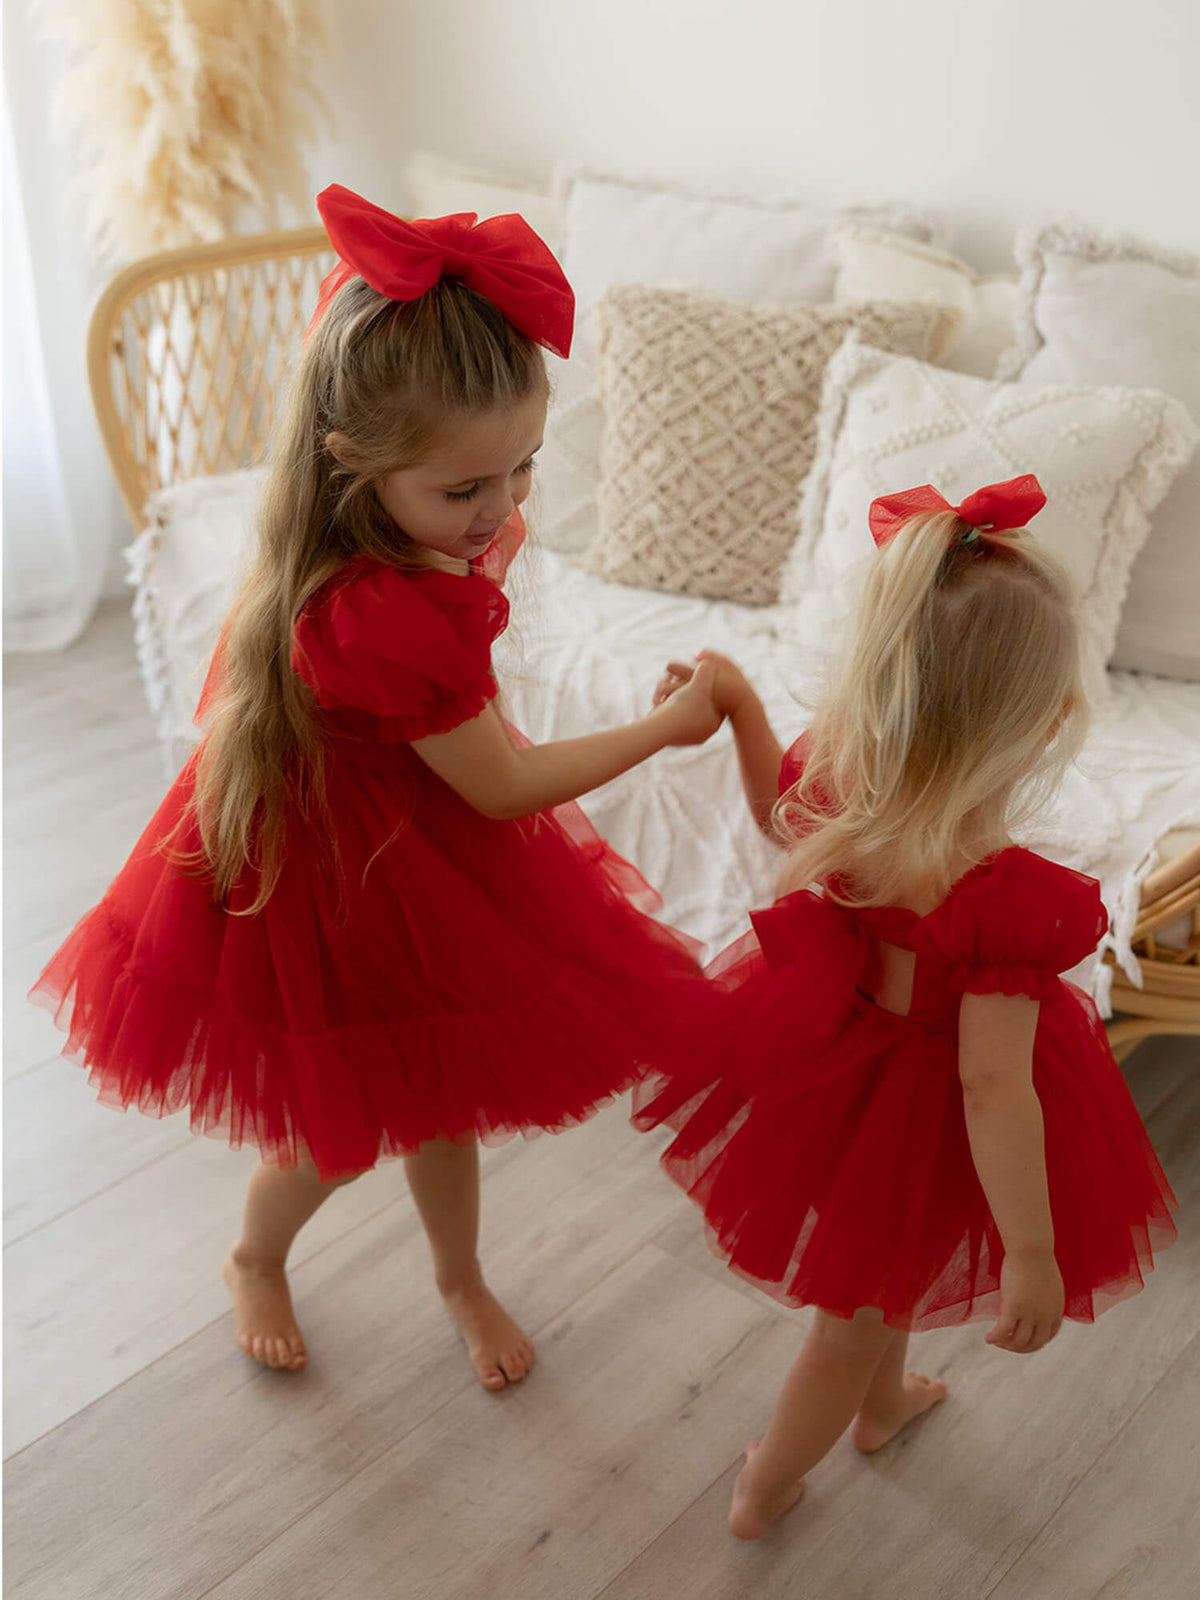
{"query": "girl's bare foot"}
[(262, 1311), (872, 1429), (749, 1514), (497, 1347)]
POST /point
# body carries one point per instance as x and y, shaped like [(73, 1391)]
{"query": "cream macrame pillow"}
[(709, 411)]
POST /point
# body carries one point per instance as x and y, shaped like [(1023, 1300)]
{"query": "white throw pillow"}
[(618, 230), (1105, 458), (1093, 309), (440, 188), (875, 265), (184, 568)]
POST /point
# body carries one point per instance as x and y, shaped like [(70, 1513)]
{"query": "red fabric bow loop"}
[(998, 507), (793, 927), (502, 259), (825, 948)]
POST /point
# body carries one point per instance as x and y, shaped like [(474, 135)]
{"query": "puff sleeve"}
[(1013, 925), (792, 765), (398, 657)]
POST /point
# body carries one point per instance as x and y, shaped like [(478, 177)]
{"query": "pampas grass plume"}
[(191, 116)]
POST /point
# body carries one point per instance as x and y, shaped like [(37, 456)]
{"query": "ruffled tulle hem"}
[(1035, 983), (944, 1306), (855, 1188), (347, 1096)]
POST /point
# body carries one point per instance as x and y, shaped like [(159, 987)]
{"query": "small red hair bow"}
[(997, 508), (502, 259)]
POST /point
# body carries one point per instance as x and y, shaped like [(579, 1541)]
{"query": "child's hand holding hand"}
[(731, 695), (689, 704), (730, 686), (1031, 1303)]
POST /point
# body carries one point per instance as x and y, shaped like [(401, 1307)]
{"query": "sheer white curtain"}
[(62, 517)]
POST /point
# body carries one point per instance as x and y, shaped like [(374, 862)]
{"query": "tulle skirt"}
[(839, 1174), (438, 975)]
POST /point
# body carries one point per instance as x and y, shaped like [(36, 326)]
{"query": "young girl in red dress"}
[(905, 1118), (366, 920)]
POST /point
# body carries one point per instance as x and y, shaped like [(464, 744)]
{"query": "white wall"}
[(992, 109)]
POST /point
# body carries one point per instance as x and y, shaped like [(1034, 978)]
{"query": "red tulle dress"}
[(451, 975), (824, 1139)]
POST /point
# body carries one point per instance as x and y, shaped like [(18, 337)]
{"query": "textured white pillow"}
[(618, 230), (184, 568), (1116, 310), (875, 265), (440, 188), (1105, 458)]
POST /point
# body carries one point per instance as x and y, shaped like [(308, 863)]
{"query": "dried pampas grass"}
[(191, 116)]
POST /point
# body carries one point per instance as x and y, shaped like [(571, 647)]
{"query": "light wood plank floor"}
[(147, 1458)]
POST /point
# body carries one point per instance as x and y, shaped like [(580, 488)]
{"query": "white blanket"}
[(583, 654)]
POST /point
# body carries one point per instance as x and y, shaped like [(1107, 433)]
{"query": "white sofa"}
[(584, 653)]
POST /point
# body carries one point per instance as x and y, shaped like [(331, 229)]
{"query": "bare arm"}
[(759, 751), (759, 758), (1005, 1129), (480, 762)]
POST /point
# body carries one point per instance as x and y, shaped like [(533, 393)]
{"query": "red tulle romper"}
[(824, 1137), (453, 975)]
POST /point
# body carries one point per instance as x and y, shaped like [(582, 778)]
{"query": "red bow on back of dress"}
[(997, 508), (502, 259)]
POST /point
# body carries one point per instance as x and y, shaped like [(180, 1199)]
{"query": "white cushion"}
[(185, 568), (1105, 458), (875, 265), (619, 230), (1093, 309), (440, 188)]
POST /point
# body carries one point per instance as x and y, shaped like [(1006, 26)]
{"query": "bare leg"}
[(444, 1179), (894, 1398), (820, 1396), (279, 1202)]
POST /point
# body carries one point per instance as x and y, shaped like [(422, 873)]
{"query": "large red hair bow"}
[(502, 259), (997, 508)]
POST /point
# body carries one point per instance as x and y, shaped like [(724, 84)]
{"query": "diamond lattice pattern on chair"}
[(201, 363)]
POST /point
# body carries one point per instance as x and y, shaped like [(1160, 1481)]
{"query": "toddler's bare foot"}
[(872, 1429), (262, 1311), (749, 1514), (497, 1347)]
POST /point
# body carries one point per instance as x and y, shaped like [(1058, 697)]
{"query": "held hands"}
[(689, 704), (729, 685), (1031, 1304)]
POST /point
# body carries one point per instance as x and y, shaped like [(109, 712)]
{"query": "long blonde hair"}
[(387, 376), (954, 712)]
